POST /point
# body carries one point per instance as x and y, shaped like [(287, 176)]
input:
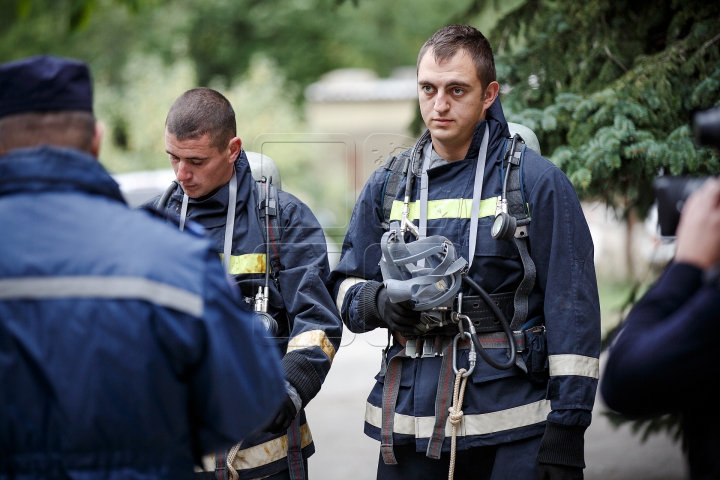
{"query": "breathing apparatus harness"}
[(428, 273), (267, 210), (434, 290)]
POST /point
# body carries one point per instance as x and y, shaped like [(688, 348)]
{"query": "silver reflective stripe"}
[(574, 365), (44, 288), (479, 424), (342, 291)]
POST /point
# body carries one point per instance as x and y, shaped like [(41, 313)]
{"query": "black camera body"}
[(671, 192)]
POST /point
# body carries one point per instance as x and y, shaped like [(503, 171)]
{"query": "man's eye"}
[(427, 89), (458, 91)]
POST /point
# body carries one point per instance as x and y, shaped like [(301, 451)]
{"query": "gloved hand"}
[(399, 316), (558, 472), (285, 415)]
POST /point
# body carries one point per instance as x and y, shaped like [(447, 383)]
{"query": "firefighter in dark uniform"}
[(212, 174), (525, 420)]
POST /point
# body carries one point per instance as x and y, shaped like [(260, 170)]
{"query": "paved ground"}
[(344, 452)]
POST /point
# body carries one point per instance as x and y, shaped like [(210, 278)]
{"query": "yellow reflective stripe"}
[(574, 365), (447, 208), (269, 452), (479, 424), (344, 287), (312, 338), (246, 264)]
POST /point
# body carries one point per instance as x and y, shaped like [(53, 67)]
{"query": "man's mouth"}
[(441, 121)]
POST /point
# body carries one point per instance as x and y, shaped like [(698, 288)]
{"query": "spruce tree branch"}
[(615, 60), (710, 42)]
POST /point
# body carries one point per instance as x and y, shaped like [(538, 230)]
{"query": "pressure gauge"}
[(503, 227)]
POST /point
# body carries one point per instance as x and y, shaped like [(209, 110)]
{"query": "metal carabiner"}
[(458, 318), (405, 224), (472, 357)]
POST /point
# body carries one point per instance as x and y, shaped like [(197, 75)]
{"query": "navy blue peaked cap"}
[(44, 83)]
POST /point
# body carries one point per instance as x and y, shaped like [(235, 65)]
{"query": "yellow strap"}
[(246, 264), (268, 452), (312, 338), (447, 208)]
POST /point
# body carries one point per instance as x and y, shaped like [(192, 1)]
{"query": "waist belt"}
[(481, 315), (435, 346)]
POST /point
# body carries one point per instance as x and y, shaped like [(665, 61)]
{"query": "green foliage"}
[(609, 88), (670, 425), (307, 38), (72, 14)]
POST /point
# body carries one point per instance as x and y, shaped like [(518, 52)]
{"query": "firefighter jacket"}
[(124, 351), (309, 329), (500, 405)]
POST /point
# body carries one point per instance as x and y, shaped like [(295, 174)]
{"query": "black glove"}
[(558, 472), (285, 415), (399, 316)]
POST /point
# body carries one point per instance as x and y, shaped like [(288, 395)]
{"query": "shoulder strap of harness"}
[(518, 208), (274, 228), (394, 175)]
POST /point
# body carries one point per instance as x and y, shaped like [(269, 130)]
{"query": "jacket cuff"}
[(301, 375), (367, 304), (563, 445)]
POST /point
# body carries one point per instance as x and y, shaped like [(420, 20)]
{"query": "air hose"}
[(503, 322)]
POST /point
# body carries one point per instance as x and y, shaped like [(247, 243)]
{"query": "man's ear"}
[(491, 93), (97, 139), (235, 145)]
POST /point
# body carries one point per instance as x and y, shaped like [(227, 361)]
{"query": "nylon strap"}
[(230, 222), (525, 287), (389, 401), (477, 193), (221, 472), (395, 167), (183, 211), (422, 226), (443, 402), (517, 208), (294, 452)]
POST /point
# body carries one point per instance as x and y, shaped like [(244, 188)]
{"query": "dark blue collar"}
[(495, 121), (51, 169)]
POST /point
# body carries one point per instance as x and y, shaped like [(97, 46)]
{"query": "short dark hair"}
[(202, 111), (71, 128), (447, 41)]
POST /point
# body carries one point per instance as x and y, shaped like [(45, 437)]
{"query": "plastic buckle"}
[(411, 347), (428, 349)]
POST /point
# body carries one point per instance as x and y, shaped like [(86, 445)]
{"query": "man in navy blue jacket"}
[(216, 189), (664, 359), (529, 420), (124, 350)]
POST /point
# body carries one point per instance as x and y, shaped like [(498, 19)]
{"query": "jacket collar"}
[(49, 169)]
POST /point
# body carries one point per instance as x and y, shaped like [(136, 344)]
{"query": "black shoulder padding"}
[(395, 166)]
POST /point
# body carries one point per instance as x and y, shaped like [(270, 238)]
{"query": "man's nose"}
[(441, 102), (183, 173)]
